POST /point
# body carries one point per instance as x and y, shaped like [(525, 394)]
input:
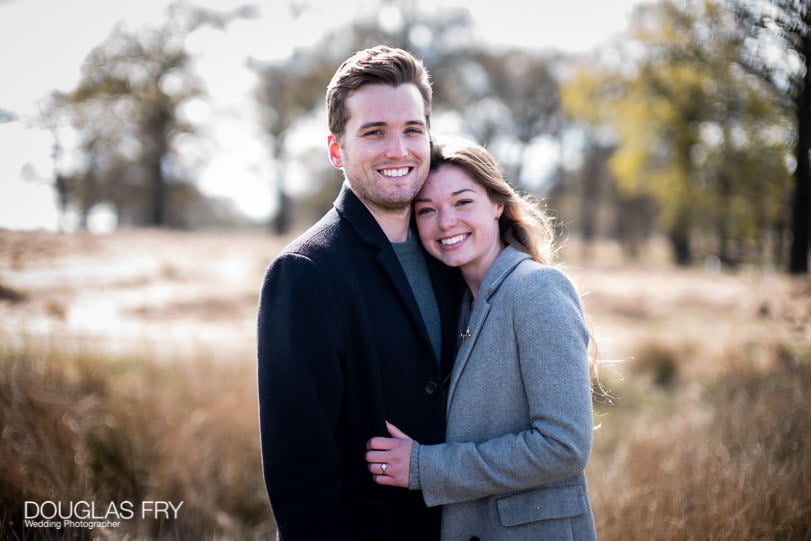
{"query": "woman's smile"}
[(449, 243)]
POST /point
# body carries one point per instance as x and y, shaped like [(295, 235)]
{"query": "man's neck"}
[(394, 223)]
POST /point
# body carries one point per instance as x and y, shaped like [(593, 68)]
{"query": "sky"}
[(43, 44)]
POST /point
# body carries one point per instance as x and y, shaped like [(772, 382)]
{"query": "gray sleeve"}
[(552, 340), (414, 468)]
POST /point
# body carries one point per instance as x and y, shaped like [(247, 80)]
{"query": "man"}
[(356, 323)]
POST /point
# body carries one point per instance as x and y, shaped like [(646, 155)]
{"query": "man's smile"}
[(394, 173)]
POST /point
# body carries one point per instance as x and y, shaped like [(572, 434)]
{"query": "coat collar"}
[(507, 260), (351, 208)]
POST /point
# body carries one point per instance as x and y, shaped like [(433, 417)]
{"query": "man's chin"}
[(397, 205), (398, 202)]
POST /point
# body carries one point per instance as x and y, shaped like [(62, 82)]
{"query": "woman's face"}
[(458, 222)]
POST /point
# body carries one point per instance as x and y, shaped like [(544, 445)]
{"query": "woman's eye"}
[(463, 202), (423, 211)]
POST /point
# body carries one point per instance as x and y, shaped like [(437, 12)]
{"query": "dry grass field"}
[(127, 375)]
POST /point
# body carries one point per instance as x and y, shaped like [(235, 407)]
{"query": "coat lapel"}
[(502, 267), (353, 210), (480, 310)]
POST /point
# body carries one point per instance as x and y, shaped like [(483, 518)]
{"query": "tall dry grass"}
[(726, 459), (84, 427), (708, 436)]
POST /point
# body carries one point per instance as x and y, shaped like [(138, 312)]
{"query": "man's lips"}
[(395, 172)]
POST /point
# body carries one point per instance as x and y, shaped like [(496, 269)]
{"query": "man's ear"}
[(334, 149)]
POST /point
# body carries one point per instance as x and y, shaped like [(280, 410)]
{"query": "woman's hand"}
[(389, 459)]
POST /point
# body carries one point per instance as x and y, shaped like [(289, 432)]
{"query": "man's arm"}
[(300, 394)]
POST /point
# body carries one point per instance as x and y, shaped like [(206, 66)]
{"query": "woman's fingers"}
[(381, 444), (388, 474), (378, 457), (381, 469), (396, 432), (388, 459)]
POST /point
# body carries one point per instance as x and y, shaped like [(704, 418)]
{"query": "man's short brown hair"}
[(378, 65)]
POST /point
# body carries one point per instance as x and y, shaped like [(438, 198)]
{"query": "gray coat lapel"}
[(480, 310), (507, 260)]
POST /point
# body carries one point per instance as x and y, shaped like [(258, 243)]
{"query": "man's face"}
[(385, 149)]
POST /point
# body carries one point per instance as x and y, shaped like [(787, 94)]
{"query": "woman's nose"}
[(447, 219)]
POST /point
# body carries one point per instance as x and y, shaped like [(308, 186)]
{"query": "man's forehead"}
[(377, 100)]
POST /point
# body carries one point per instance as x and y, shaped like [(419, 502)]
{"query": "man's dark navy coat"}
[(342, 348)]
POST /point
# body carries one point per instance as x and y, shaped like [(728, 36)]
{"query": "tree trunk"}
[(801, 203), (680, 243), (680, 239), (590, 197), (281, 222), (157, 210), (158, 132), (723, 219)]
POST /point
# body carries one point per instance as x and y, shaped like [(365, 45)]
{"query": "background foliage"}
[(694, 124)]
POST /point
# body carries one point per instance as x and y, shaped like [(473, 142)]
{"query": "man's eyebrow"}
[(372, 125), (379, 123)]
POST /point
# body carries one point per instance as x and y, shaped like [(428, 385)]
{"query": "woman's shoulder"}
[(532, 279), (532, 271)]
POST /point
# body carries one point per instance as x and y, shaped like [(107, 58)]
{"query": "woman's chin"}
[(451, 260)]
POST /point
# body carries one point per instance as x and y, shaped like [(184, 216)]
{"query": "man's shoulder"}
[(328, 238)]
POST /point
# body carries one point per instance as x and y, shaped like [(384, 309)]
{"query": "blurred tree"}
[(126, 108), (289, 90), (694, 130), (48, 119), (292, 90), (511, 94), (779, 52)]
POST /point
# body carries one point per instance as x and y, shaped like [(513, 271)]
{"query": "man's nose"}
[(396, 148)]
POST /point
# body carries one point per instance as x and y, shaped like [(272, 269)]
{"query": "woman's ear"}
[(334, 149)]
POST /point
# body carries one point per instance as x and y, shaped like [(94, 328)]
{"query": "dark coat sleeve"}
[(300, 385)]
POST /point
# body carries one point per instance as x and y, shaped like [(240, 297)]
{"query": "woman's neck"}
[(476, 271)]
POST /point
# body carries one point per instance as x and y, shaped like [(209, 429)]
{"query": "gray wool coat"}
[(519, 414)]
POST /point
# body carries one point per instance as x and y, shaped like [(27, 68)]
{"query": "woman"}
[(519, 414)]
